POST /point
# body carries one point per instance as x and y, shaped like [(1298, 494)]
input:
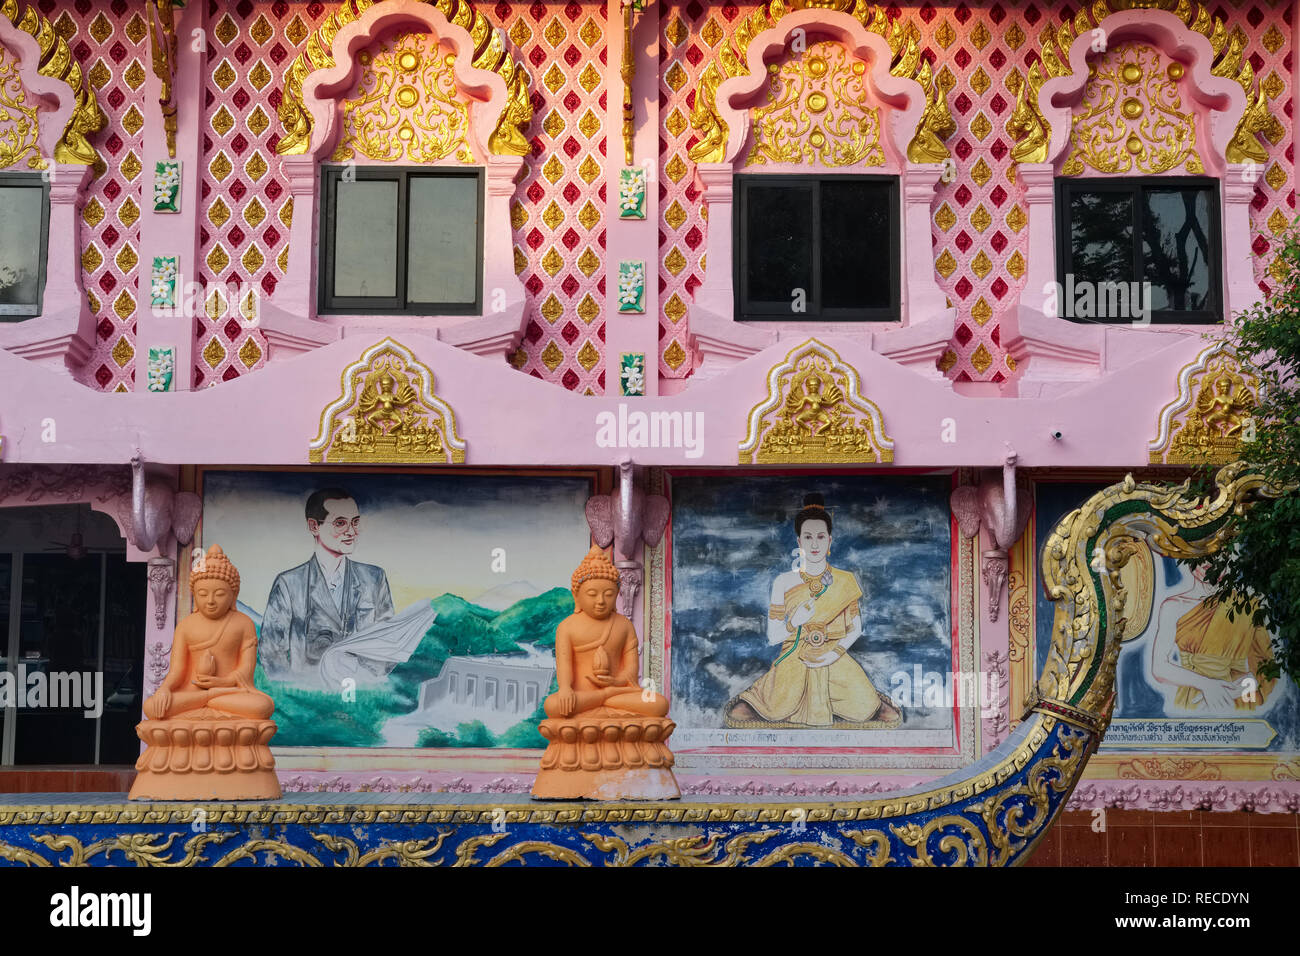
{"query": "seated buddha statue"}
[(607, 736), (207, 727)]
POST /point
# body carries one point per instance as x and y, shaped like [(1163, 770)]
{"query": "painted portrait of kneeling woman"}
[(814, 617)]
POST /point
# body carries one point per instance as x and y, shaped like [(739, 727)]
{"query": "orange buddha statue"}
[(207, 727), (607, 737)]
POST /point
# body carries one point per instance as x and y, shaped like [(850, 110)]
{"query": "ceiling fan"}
[(75, 547)]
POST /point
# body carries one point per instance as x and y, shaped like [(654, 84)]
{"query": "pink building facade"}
[(440, 254)]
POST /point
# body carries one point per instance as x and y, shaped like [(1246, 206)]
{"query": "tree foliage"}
[(1258, 573)]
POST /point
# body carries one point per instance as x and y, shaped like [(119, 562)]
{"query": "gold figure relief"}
[(1211, 417), (19, 124), (490, 53), (1132, 117), (405, 105), (814, 414), (818, 110), (388, 413)]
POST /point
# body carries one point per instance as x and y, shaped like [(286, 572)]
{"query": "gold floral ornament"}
[(1229, 61), (19, 126), (57, 62), (1132, 117), (818, 110), (406, 102), (905, 61), (508, 138), (1212, 416), (814, 414), (387, 413)]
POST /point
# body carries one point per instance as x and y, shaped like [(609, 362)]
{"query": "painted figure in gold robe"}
[(1217, 665), (815, 618)]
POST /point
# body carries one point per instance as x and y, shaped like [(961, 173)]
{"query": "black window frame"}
[(747, 311), (329, 304), (1137, 186), (9, 180)]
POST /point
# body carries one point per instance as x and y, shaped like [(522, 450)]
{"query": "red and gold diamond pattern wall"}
[(557, 215), (980, 242), (111, 42), (559, 209), (244, 209)]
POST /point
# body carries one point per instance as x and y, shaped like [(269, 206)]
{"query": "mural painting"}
[(401, 610), (812, 611), (1188, 674)]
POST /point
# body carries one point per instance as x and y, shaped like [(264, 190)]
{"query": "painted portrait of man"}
[(327, 598)]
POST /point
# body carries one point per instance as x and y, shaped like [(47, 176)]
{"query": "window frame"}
[(329, 304), (746, 311), (12, 179), (1137, 186)]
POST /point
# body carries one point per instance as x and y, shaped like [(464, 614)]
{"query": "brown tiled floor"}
[(1191, 838)]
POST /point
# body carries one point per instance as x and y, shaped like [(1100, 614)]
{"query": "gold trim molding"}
[(387, 413), (815, 414), (58, 63), (490, 53)]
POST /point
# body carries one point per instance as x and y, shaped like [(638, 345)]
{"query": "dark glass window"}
[(823, 248), (1135, 249), (401, 241), (24, 233)]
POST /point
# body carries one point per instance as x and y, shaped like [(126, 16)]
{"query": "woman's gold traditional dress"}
[(1212, 646), (792, 694)]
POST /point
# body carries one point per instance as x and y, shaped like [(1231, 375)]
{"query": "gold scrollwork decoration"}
[(406, 102), (490, 53), (387, 412), (818, 109), (815, 414), (19, 120), (731, 60), (57, 62), (1132, 117)]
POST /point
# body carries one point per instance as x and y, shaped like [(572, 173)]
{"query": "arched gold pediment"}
[(814, 414), (58, 63), (489, 54), (732, 60), (1033, 132), (1211, 418), (387, 413)]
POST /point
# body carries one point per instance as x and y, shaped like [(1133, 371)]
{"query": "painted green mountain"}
[(314, 718)]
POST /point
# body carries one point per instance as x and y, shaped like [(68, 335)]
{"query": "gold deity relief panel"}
[(1212, 415), (19, 122), (1132, 118), (405, 106), (814, 414), (387, 413), (817, 109)]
